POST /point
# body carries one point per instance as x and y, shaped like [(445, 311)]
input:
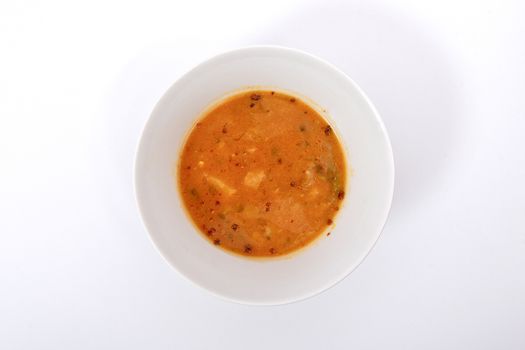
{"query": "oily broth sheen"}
[(262, 174)]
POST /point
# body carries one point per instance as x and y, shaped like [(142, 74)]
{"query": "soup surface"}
[(262, 174)]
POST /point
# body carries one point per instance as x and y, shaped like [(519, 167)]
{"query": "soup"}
[(262, 174)]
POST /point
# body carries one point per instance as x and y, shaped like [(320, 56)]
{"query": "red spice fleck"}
[(188, 167), (224, 130), (341, 195), (272, 250), (328, 234), (280, 161), (255, 97), (268, 204), (235, 227), (329, 221), (327, 130), (217, 203), (292, 100), (217, 242), (273, 92), (252, 104), (247, 248), (336, 208), (293, 184), (211, 231)]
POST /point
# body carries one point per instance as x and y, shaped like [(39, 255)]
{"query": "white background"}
[(78, 81)]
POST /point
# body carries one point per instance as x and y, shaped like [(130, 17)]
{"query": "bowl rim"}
[(239, 51)]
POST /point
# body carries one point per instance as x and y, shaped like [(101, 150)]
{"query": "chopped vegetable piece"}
[(254, 178), (220, 185)]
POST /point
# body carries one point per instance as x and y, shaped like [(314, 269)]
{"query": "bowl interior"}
[(358, 223)]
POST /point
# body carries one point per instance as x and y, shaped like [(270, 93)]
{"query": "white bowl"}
[(360, 219)]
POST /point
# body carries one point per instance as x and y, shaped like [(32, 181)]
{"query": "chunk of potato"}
[(253, 178), (220, 185)]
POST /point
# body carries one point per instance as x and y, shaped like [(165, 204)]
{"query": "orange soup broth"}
[(262, 174)]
